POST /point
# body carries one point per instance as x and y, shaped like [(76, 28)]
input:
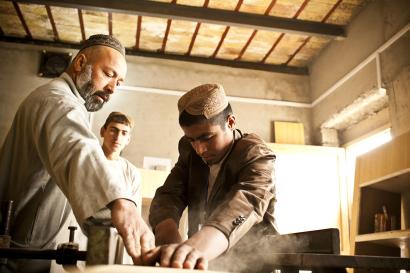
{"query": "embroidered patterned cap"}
[(104, 40), (207, 99)]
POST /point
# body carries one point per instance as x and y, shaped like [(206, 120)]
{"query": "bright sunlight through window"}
[(369, 143)]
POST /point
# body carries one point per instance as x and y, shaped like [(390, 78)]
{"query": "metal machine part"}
[(6, 218), (104, 245), (68, 249), (65, 254)]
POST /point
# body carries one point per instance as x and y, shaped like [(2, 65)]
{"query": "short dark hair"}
[(118, 117), (186, 119)]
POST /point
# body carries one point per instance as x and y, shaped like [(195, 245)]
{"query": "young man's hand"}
[(137, 236), (194, 253), (176, 256)]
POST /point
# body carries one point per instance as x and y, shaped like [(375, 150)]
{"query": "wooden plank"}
[(395, 182), (9, 20), (207, 39), (233, 42), (152, 33), (346, 11), (288, 132), (393, 238), (123, 27), (260, 44), (209, 15), (67, 24), (312, 47), (324, 241), (53, 24), (37, 21), (307, 261), (286, 8), (180, 36), (388, 159), (138, 269), (255, 6), (285, 48), (95, 22), (315, 10)]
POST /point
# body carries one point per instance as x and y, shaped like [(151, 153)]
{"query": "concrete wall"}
[(395, 64), (371, 28), (157, 132)]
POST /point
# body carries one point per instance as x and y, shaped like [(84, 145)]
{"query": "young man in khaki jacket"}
[(224, 177)]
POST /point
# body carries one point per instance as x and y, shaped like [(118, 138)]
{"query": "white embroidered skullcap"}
[(207, 99)]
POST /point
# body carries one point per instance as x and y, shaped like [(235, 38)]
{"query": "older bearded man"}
[(51, 160)]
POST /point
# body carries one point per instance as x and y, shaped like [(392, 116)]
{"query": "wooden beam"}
[(176, 57), (222, 62), (204, 15), (308, 38), (138, 33), (238, 6), (82, 28), (198, 25), (267, 11), (52, 22), (110, 23), (22, 20)]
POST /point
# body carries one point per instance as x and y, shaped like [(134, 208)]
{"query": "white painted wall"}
[(371, 28), (157, 132)]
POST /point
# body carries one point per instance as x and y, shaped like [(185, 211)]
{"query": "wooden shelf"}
[(397, 182), (396, 238), (382, 179)]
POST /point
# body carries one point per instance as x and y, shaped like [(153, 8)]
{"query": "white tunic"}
[(130, 177), (51, 155)]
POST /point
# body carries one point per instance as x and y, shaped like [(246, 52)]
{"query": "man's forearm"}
[(166, 232), (210, 241), (138, 238)]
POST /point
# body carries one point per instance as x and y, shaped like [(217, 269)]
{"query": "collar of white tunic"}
[(73, 88)]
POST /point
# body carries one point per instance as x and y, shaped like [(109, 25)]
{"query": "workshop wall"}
[(157, 131), (372, 27)]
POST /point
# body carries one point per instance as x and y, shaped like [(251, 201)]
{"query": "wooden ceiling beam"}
[(110, 23), (218, 47), (330, 12), (203, 15), (22, 20), (267, 11), (52, 22), (138, 33), (169, 56), (198, 25), (82, 28)]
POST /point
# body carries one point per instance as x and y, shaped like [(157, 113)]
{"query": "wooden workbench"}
[(292, 262), (136, 269), (287, 262)]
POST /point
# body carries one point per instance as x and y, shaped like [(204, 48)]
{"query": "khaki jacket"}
[(242, 198)]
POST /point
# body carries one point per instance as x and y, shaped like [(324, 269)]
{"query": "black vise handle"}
[(63, 256)]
